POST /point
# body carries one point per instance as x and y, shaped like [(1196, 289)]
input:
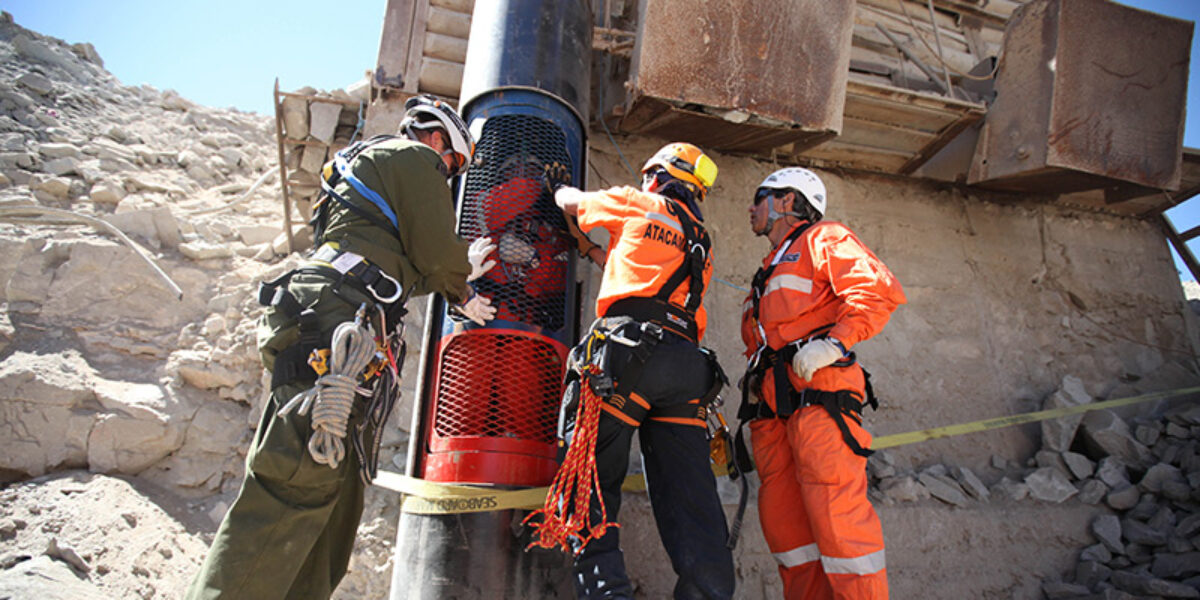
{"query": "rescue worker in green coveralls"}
[(383, 231)]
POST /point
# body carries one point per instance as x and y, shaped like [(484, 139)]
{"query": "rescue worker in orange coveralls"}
[(819, 292)]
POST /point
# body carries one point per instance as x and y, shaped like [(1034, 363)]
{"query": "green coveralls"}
[(291, 530)]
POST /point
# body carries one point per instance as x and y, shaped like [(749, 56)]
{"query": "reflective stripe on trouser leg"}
[(781, 512), (833, 490)]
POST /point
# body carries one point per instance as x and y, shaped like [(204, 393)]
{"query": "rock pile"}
[(102, 366), (1149, 546), (1143, 478)]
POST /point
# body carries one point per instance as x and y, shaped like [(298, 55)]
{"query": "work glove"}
[(816, 355), (479, 250), (477, 308), (556, 175)]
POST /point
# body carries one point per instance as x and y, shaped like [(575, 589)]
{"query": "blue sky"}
[(227, 54)]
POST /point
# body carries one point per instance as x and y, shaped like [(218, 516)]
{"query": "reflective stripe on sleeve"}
[(798, 556), (789, 282), (665, 220), (861, 565)]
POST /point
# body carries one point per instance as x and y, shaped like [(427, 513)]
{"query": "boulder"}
[(943, 488), (156, 225), (1105, 434), (1057, 434), (36, 82), (107, 191), (199, 370), (1079, 465), (1107, 529), (45, 578), (971, 483), (1050, 484), (902, 489), (1092, 491), (1123, 498), (53, 150), (136, 431), (1111, 470), (87, 51), (324, 120), (314, 159), (295, 117), (1157, 475), (204, 250), (42, 426), (61, 166)]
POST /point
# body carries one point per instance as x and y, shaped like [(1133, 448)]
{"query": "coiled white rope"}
[(332, 397)]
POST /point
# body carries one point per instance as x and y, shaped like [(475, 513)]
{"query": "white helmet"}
[(428, 112), (802, 181)]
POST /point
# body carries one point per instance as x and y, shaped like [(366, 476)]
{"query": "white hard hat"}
[(802, 181), (428, 112)]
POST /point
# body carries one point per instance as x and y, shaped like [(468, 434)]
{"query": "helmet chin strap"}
[(774, 215)]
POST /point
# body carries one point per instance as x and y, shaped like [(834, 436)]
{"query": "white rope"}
[(332, 398)]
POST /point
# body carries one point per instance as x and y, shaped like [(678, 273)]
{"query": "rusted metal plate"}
[(1090, 89), (1132, 199), (782, 62), (655, 117)]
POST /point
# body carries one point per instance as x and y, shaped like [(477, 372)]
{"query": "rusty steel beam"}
[(1180, 245)]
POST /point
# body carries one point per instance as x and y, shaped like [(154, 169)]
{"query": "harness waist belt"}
[(664, 314), (380, 285)]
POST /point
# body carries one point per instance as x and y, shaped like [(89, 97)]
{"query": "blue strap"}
[(339, 162)]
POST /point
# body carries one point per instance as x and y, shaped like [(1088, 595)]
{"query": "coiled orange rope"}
[(565, 516)]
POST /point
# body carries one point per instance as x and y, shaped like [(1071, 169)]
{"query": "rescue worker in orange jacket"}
[(819, 293), (657, 269)]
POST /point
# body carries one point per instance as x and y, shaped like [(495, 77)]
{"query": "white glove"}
[(477, 308), (478, 251), (815, 355)]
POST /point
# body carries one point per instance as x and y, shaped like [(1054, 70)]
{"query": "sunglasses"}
[(764, 193), (659, 174)]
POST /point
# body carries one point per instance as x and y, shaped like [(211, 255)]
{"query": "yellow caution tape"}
[(433, 498), (900, 439)]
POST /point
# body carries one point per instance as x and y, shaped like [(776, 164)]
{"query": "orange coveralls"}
[(813, 501)]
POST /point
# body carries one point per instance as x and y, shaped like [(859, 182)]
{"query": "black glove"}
[(556, 175)]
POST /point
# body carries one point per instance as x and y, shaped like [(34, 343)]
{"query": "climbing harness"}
[(359, 360), (658, 309), (840, 405), (590, 388), (358, 364), (337, 170)]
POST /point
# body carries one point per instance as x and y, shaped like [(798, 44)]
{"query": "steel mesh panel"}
[(498, 385), (505, 198)]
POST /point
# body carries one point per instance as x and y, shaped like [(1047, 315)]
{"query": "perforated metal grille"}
[(498, 385), (506, 199)]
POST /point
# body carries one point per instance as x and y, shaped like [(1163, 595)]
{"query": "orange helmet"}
[(686, 163)]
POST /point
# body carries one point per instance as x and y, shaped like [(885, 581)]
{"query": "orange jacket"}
[(825, 277), (646, 246)]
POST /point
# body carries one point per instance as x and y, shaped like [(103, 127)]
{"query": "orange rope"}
[(568, 504)]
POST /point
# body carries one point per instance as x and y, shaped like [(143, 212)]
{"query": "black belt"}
[(664, 314)]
